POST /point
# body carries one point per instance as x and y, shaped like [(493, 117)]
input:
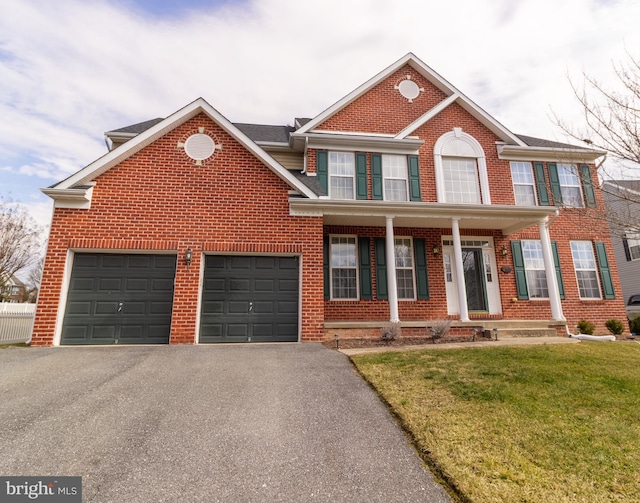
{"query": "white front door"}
[(480, 274)]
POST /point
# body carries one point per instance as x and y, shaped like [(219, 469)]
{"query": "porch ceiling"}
[(508, 219)]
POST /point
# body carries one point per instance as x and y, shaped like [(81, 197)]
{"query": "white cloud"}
[(72, 70)]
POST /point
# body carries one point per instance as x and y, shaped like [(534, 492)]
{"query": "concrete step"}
[(527, 332)]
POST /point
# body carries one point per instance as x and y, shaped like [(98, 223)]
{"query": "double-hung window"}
[(523, 183), (394, 172), (344, 267), (535, 271), (570, 185), (461, 182), (584, 263), (341, 175), (404, 268)]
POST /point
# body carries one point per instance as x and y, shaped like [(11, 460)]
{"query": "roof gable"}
[(450, 95), (87, 175)]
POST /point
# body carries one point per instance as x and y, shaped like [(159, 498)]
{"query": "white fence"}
[(16, 322)]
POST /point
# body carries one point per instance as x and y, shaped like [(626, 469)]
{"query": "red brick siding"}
[(158, 199)]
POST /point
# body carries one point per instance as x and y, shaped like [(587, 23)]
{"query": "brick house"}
[(403, 201)]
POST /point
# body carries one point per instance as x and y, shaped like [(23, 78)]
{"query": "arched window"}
[(461, 169)]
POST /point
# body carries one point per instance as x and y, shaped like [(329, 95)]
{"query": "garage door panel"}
[(240, 262), (287, 308), (109, 307), (239, 285), (119, 298), (288, 285), (79, 307), (237, 307), (249, 299), (113, 261)]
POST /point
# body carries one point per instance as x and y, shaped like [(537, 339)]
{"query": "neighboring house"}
[(622, 201), (13, 290), (403, 201)]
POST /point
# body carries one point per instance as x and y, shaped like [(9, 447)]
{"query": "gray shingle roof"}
[(539, 142), (260, 132), (138, 128), (627, 184)]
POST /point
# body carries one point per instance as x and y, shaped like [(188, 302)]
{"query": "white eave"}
[(508, 219), (519, 153), (355, 141), (140, 141), (77, 197)]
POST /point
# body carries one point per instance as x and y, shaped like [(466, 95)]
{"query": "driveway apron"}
[(214, 423)]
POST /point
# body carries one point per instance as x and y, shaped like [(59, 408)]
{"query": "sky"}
[(72, 69)]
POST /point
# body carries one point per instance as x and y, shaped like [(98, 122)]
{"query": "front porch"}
[(463, 330)]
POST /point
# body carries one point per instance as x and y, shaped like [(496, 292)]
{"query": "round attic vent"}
[(409, 89), (199, 146)]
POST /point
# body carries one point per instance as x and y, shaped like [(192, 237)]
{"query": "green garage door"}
[(249, 299), (119, 299)]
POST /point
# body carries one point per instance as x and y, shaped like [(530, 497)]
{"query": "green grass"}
[(513, 424)]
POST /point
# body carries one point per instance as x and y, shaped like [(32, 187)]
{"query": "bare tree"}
[(20, 240), (612, 124)]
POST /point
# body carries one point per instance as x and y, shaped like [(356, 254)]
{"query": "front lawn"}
[(515, 424)]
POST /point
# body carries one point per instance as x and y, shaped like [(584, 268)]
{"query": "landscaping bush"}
[(634, 325), (439, 329), (390, 332), (614, 326), (586, 327)]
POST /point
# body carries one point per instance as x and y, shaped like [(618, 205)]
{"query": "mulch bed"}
[(400, 341)]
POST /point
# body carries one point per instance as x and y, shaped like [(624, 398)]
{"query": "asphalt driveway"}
[(248, 423)]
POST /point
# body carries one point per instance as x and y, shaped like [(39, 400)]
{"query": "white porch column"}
[(550, 270), (460, 282), (392, 284)]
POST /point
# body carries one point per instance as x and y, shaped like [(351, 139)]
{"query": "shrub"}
[(390, 332), (439, 329), (634, 325), (614, 326), (586, 327)]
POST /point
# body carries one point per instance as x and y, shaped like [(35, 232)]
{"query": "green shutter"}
[(541, 184), (414, 178), (322, 168), (554, 179), (381, 269), (364, 249), (325, 267), (361, 175), (518, 267), (419, 250), (605, 273), (376, 176), (556, 261), (587, 185)]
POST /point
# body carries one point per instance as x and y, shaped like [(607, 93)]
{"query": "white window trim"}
[(575, 270), (633, 241), (574, 169), (456, 143), (357, 268), (533, 182), (413, 269), (329, 175), (384, 178), (530, 269)]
